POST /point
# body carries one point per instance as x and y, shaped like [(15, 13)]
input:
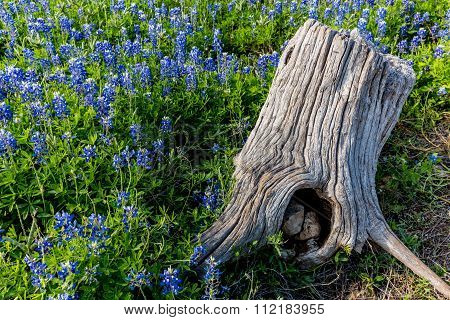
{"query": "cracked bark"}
[(333, 103)]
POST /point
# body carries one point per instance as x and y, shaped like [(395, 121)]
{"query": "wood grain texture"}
[(332, 105)]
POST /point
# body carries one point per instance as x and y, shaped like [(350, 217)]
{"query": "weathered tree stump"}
[(333, 103)]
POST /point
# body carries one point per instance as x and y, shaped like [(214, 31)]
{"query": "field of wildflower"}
[(119, 121)]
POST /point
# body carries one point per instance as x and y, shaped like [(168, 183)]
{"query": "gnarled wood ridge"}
[(333, 103)]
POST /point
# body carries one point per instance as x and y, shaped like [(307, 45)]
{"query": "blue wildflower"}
[(441, 92), (210, 198), (122, 198), (139, 279), (97, 232), (88, 153), (170, 282), (129, 212), (7, 142), (66, 225), (38, 140), (191, 78), (166, 125), (199, 251), (438, 53), (215, 148), (433, 157), (78, 72), (211, 279), (209, 64), (217, 44), (66, 269), (60, 105), (158, 148), (144, 158), (38, 270), (402, 46), (43, 245)]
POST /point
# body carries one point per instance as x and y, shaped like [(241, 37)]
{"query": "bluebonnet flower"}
[(191, 78), (67, 296), (129, 212), (1, 234), (158, 148), (123, 159), (88, 153), (136, 132), (170, 282), (39, 145), (246, 70), (422, 33), (415, 41), (403, 30), (78, 71), (5, 112), (442, 91), (211, 279), (180, 47), (196, 56), (167, 68), (382, 25), (30, 91), (122, 198), (87, 30), (274, 58), (97, 232), (312, 13), (144, 158), (67, 51), (209, 64), (199, 251), (139, 279), (293, 7), (217, 44), (402, 46), (28, 55), (213, 9), (434, 30), (381, 13), (215, 148), (433, 157), (43, 245), (66, 225), (60, 105), (65, 24), (132, 48), (38, 270), (278, 7), (166, 125), (143, 72), (362, 25), (262, 66), (36, 25), (117, 6), (66, 269), (39, 111), (7, 142), (210, 198), (438, 53)]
